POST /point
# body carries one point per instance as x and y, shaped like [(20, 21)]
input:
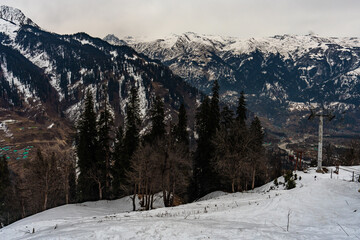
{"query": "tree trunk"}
[(147, 197), (45, 200), (100, 190), (169, 199), (165, 198), (253, 179), (133, 199), (67, 198), (233, 185), (23, 213), (66, 187), (46, 191), (152, 201)]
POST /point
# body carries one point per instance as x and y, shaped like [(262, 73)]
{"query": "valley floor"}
[(318, 208)]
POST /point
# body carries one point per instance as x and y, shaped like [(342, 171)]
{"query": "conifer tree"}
[(158, 119), (231, 153), (202, 130), (257, 150), (105, 125), (227, 116), (181, 134), (86, 151), (258, 135), (133, 122), (215, 109), (241, 109), (121, 163), (205, 178)]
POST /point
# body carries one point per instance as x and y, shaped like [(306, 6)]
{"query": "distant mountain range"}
[(281, 75), (284, 68)]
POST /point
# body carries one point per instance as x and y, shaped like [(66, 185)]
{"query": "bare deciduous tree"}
[(48, 174), (161, 166)]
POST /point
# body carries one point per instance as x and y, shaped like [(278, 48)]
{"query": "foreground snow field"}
[(318, 208)]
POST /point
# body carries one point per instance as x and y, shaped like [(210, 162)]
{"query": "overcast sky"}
[(158, 18)]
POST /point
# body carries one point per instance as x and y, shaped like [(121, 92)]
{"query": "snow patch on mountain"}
[(337, 106), (13, 81), (15, 16), (9, 29), (43, 61)]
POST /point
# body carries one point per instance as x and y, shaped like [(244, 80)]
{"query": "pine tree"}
[(86, 151), (181, 134), (158, 119), (257, 150), (215, 109), (241, 109), (121, 163), (205, 178), (105, 126), (133, 122), (258, 135), (227, 117)]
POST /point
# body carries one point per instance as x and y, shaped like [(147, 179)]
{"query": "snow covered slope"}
[(318, 208)]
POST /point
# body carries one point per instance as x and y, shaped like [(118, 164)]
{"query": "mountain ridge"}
[(64, 67), (202, 52), (15, 16), (287, 69)]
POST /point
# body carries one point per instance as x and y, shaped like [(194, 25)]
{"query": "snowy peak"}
[(15, 16), (112, 39)]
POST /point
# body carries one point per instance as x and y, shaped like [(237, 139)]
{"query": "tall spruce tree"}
[(133, 122), (241, 109), (256, 146), (257, 133), (158, 119), (215, 109), (227, 117), (121, 163), (202, 154), (181, 133), (86, 146), (205, 179), (105, 140)]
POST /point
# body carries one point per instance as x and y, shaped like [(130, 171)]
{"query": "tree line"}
[(106, 161), (109, 162), (229, 154)]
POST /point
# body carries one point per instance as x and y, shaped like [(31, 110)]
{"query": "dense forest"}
[(108, 161)]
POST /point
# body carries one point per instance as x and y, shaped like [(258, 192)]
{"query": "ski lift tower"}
[(321, 114)]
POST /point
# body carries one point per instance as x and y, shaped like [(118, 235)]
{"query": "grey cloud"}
[(242, 18)]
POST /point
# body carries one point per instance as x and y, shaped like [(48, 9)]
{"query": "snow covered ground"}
[(318, 208)]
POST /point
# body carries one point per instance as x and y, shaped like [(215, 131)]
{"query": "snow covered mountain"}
[(320, 207), (287, 71), (39, 68), (15, 16)]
